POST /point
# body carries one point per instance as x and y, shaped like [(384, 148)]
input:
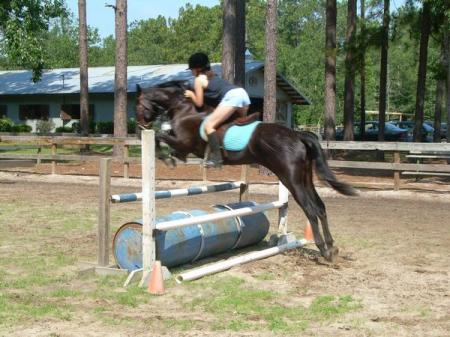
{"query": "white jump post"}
[(283, 196), (148, 203)]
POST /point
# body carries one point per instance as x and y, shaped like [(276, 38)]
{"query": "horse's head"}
[(153, 102)]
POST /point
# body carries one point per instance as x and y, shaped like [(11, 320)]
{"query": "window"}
[(72, 111), (281, 116), (34, 111), (3, 111)]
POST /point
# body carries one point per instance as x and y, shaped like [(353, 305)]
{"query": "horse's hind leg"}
[(304, 200), (320, 208), (331, 250)]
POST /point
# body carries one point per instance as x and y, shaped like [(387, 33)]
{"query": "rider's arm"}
[(199, 86)]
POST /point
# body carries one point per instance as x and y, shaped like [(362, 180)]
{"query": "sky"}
[(103, 18)]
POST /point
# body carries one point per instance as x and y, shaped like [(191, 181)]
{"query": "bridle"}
[(158, 108)]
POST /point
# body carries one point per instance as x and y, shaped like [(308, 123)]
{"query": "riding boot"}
[(215, 155)]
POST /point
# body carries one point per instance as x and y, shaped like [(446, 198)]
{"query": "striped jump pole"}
[(131, 197)]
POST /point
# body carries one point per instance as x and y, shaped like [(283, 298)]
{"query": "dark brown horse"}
[(290, 155)]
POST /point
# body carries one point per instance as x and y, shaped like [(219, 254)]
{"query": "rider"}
[(208, 85)]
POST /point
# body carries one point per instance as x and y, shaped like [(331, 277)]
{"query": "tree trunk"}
[(229, 40), (422, 72), (362, 125), (439, 104), (440, 95), (120, 91), (330, 70), (239, 59), (84, 83), (349, 92), (447, 70), (383, 71), (270, 69)]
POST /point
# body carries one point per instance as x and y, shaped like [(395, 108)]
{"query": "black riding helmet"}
[(199, 60)]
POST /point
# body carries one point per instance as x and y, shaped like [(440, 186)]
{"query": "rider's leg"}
[(221, 114), (243, 111)]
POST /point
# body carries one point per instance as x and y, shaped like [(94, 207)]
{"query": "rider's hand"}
[(189, 94)]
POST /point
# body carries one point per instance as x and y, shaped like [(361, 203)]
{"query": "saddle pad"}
[(236, 137)]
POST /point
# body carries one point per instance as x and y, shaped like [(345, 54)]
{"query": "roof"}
[(101, 79)]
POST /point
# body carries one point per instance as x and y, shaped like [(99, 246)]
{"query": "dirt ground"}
[(394, 263)]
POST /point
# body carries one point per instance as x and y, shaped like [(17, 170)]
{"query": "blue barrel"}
[(189, 243)]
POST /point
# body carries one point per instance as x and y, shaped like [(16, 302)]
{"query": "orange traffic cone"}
[(156, 284), (308, 232)]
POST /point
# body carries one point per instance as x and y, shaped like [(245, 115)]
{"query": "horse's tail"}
[(322, 169)]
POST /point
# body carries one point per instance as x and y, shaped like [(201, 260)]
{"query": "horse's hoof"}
[(331, 254)]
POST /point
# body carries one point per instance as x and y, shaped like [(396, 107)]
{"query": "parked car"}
[(391, 132), (443, 128), (427, 130)]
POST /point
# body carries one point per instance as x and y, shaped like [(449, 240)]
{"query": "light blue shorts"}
[(237, 98)]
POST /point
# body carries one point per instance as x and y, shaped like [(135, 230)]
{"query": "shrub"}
[(131, 126), (6, 125), (21, 128), (106, 127), (76, 127), (67, 129), (45, 126)]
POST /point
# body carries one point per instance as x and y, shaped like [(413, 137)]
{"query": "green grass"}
[(235, 306), (17, 307)]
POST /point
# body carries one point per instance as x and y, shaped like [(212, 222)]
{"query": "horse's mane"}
[(177, 84)]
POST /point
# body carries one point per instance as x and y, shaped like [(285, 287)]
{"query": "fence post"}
[(38, 160), (104, 212), (148, 203), (244, 192), (396, 173), (126, 163), (54, 149), (283, 195)]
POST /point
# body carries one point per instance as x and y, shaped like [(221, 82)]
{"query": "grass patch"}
[(265, 277), (237, 307), (132, 296), (181, 324), (64, 293), (16, 307)]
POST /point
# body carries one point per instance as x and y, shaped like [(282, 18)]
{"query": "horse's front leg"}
[(176, 145)]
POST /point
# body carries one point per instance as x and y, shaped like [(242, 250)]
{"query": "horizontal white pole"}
[(227, 264), (166, 225)]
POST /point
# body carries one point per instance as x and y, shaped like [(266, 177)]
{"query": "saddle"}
[(234, 120), (238, 120)]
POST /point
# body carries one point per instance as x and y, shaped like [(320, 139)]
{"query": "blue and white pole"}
[(130, 197)]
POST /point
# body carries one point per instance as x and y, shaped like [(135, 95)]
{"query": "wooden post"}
[(244, 192), (126, 163), (148, 203), (54, 149), (38, 161), (283, 195), (396, 173), (204, 172), (104, 212)]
